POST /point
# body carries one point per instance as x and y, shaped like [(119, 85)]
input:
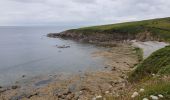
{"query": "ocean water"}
[(27, 51)]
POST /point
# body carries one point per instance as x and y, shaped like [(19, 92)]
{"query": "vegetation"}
[(151, 73), (157, 63), (158, 27), (139, 53), (160, 87)]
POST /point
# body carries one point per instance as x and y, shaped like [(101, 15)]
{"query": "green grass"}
[(139, 53), (158, 27), (157, 63), (156, 89), (165, 70), (152, 87)]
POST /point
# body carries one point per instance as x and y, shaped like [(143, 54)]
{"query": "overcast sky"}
[(79, 12)]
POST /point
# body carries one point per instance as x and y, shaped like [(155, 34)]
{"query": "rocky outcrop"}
[(103, 37), (147, 36)]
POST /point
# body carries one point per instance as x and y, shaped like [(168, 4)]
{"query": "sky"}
[(79, 12)]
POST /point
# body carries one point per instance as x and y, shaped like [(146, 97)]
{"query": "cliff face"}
[(155, 29), (105, 37)]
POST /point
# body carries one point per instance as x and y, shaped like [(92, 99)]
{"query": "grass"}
[(158, 27), (139, 53), (156, 89), (151, 87), (158, 62)]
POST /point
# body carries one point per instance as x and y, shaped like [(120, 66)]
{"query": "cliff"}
[(154, 29)]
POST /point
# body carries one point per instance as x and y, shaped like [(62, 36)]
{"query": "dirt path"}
[(112, 80)]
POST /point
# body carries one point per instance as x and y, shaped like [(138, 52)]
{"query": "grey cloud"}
[(85, 1), (84, 12)]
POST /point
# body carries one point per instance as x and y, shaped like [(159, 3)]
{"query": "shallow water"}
[(27, 51)]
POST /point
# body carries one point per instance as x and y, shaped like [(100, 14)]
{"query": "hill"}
[(154, 29), (156, 64)]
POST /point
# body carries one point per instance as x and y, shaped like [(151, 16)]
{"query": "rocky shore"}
[(111, 81), (121, 58)]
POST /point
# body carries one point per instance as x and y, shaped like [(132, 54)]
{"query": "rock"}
[(70, 96), (14, 87), (160, 96), (63, 46), (76, 96), (63, 96), (106, 92), (58, 92), (141, 90), (59, 95), (98, 97), (154, 97), (94, 98), (23, 76), (105, 67), (114, 82), (114, 68), (0, 87), (135, 94), (3, 90), (72, 88), (145, 99), (153, 74), (31, 95), (123, 76), (80, 92)]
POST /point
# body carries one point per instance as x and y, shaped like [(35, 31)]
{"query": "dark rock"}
[(105, 67), (63, 46), (63, 96), (31, 95), (59, 95), (23, 76), (114, 68), (14, 87), (70, 97), (3, 90), (43, 82)]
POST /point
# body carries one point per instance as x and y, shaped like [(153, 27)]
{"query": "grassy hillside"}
[(157, 63), (152, 75), (158, 27)]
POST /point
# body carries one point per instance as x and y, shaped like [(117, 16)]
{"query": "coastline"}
[(125, 71), (121, 58), (85, 86)]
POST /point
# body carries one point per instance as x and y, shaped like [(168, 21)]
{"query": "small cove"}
[(27, 51)]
